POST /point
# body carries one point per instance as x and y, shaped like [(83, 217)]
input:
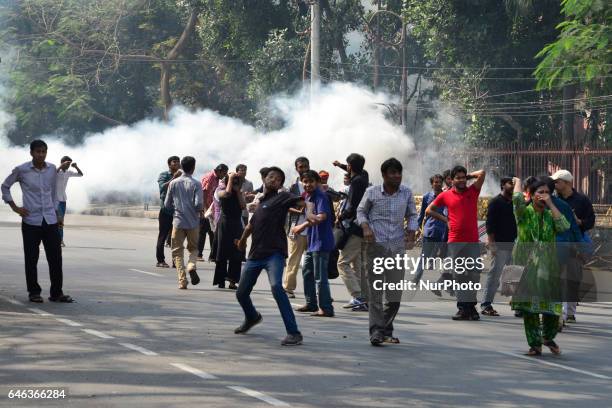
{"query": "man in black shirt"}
[(501, 232), (268, 251), (350, 259), (585, 218)]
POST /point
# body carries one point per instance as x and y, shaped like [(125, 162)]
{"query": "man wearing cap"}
[(210, 182), (585, 218), (63, 174)]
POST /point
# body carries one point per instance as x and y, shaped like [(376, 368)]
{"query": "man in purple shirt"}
[(40, 220), (320, 243)]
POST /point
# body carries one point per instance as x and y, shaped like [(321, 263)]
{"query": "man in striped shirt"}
[(382, 214)]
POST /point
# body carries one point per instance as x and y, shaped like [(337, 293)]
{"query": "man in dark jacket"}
[(350, 261)]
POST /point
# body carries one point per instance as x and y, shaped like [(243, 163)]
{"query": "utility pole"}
[(404, 86), (315, 26)]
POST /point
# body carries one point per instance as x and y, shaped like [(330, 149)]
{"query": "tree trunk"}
[(567, 129), (514, 125)]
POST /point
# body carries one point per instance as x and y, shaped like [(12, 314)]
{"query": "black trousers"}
[(49, 235), (165, 229), (205, 230)]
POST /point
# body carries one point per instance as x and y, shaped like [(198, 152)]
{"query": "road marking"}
[(98, 334), (10, 300), (39, 311), (260, 396), (139, 349), (194, 371), (69, 322), (145, 272), (548, 363), (292, 304)]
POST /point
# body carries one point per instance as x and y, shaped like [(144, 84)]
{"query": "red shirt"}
[(462, 213)]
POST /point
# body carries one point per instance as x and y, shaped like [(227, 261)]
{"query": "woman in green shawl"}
[(539, 289)]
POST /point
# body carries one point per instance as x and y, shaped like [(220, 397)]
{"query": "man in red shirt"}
[(463, 240)]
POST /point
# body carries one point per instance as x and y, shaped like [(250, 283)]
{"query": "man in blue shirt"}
[(320, 244), (434, 231)]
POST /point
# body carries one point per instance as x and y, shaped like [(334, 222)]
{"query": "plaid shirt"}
[(385, 214)]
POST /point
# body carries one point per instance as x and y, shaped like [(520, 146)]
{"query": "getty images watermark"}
[(459, 265)]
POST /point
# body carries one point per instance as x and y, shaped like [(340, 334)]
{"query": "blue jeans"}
[(61, 209), (431, 248), (274, 265), (316, 280)]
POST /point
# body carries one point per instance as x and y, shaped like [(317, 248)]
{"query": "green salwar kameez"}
[(539, 289)]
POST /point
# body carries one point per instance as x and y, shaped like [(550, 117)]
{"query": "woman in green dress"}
[(539, 289)]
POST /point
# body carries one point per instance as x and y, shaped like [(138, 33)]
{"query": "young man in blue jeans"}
[(320, 244), (268, 251)]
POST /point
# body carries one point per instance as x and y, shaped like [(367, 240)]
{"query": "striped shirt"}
[(385, 214)]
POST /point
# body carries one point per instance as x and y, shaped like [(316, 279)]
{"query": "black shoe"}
[(377, 339), (61, 299), (306, 309), (248, 325), (195, 279), (233, 286), (292, 340), (461, 315), (36, 299), (474, 314)]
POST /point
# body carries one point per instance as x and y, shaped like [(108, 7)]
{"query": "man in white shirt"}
[(63, 174)]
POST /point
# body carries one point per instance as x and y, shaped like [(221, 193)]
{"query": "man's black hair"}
[(241, 166), (263, 171), (222, 167), (36, 144), (539, 182), (436, 176), (188, 164), (278, 170), (311, 174), (391, 164), (504, 180), (65, 159), (356, 161), (446, 174), (301, 159), (173, 158), (458, 169)]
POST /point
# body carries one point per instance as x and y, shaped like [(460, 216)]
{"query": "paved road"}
[(133, 339)]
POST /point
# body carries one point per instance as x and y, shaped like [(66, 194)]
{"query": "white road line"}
[(10, 300), (39, 311), (98, 334), (139, 349), (292, 304), (69, 322), (259, 396), (145, 272), (194, 371), (548, 363)]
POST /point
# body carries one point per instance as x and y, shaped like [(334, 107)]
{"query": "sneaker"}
[(570, 319), (182, 286), (292, 340), (353, 302), (361, 308), (248, 325), (195, 279), (162, 265)]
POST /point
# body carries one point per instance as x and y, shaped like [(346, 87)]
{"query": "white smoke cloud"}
[(341, 119)]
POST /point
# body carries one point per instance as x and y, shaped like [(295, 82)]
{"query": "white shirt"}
[(62, 182)]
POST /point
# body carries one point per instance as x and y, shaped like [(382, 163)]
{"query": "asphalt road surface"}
[(133, 339)]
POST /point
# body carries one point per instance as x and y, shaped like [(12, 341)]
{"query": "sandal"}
[(391, 339), (36, 299), (534, 351), (554, 348), (62, 299), (489, 311)]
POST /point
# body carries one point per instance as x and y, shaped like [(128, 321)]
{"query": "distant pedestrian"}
[(63, 174), (210, 182), (247, 190), (165, 214)]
